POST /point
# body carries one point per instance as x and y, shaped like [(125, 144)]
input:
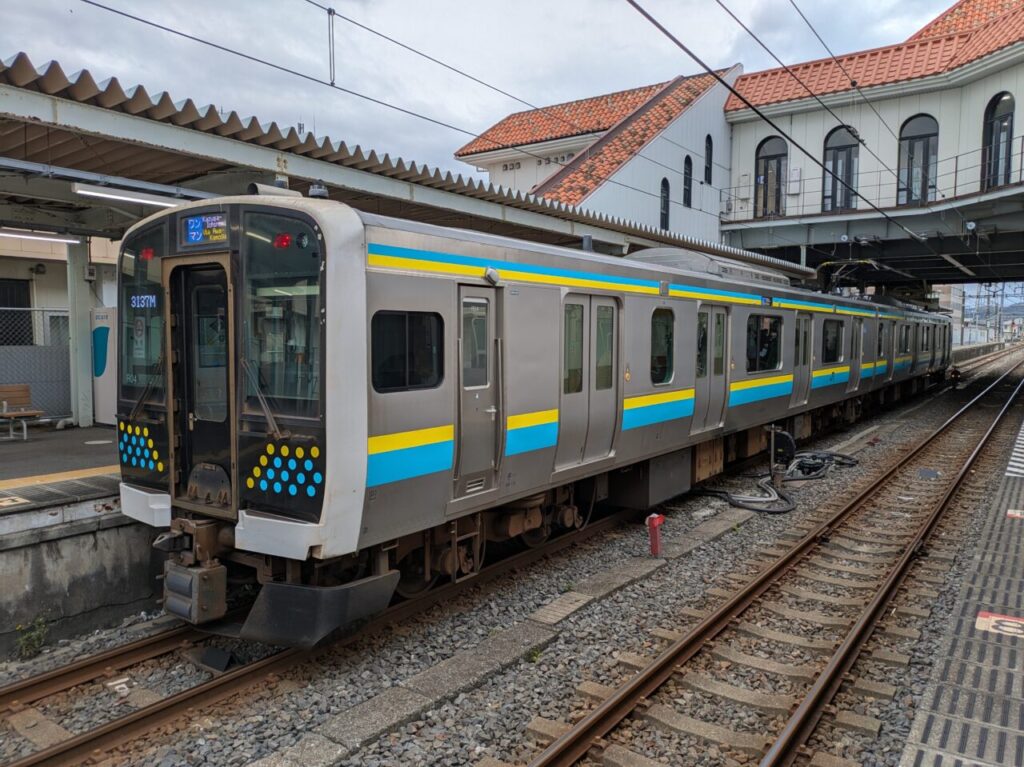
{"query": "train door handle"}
[(492, 410), (191, 421)]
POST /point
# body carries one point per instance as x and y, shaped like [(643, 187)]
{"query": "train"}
[(329, 410)]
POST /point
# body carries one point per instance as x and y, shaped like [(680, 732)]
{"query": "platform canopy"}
[(91, 158)]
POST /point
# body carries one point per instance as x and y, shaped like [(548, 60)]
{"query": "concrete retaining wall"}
[(964, 353), (78, 575)]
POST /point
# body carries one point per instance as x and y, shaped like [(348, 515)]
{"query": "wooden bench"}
[(16, 408)]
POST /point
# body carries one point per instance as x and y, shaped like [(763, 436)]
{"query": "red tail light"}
[(146, 254), (282, 240)]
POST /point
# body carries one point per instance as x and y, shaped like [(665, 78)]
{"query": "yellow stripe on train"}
[(386, 443), (645, 400)]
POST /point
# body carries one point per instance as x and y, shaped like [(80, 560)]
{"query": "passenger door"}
[(202, 348), (479, 391), (711, 387), (604, 399), (890, 351), (802, 360), (856, 354)]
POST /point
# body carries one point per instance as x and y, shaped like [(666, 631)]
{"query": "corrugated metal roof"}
[(82, 87)]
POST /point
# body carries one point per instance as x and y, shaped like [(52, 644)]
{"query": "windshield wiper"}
[(271, 423), (147, 389)]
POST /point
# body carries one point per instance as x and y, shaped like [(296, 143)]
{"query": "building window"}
[(998, 141), (709, 154), (841, 149), (406, 350), (764, 339), (572, 373), (770, 178), (919, 147), (687, 182), (664, 203), (832, 341), (662, 341)]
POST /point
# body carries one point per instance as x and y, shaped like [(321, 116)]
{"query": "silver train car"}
[(335, 407)]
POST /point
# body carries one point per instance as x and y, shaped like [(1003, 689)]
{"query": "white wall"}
[(703, 117), (523, 170), (959, 112), (50, 290)]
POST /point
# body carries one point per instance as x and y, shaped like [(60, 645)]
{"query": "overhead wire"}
[(373, 100)]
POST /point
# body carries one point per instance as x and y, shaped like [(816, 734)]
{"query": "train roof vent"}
[(703, 263)]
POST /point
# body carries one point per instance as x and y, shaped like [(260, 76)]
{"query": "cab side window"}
[(406, 350), (764, 343)]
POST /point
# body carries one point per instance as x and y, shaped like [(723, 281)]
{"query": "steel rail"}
[(26, 691), (804, 719), (572, 745), (93, 743)]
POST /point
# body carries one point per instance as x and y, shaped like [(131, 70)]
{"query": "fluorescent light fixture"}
[(125, 195), (43, 236)]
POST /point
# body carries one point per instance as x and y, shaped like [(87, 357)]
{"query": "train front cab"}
[(222, 411)]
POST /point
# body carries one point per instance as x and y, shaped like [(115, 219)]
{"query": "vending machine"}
[(104, 365)]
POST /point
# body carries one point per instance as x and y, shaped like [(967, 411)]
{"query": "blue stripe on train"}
[(382, 468), (528, 438), (758, 393), (650, 414), (829, 380)]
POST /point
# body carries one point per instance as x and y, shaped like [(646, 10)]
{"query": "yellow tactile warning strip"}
[(60, 476)]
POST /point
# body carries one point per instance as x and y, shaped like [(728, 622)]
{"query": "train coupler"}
[(195, 594)]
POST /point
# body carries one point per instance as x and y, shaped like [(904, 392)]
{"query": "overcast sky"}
[(541, 51)]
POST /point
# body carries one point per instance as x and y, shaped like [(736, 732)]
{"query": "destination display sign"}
[(206, 229)]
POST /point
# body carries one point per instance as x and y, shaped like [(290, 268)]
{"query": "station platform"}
[(58, 468), (973, 710)]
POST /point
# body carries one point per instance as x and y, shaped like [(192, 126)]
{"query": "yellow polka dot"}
[(299, 452), (155, 455), (121, 424), (256, 471), (138, 431), (145, 432), (263, 460), (284, 450), (270, 449), (314, 451), (160, 466), (149, 444), (250, 483)]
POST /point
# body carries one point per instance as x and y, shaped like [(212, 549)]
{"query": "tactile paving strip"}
[(973, 713), (32, 497)]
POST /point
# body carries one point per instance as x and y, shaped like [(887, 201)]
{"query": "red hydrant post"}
[(654, 523)]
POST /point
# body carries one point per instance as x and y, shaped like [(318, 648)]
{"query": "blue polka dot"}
[(152, 466), (277, 462), (135, 440), (291, 464), (318, 477), (292, 490), (308, 464), (146, 451), (138, 451), (300, 478), (284, 476), (270, 473), (124, 458), (277, 487), (263, 485), (134, 461), (310, 491)]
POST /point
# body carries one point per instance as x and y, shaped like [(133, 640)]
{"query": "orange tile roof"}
[(573, 183), (573, 118), (919, 57), (965, 16)]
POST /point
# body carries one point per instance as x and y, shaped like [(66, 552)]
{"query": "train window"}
[(832, 341), (572, 347), (796, 334), (662, 341), (904, 339), (926, 344), (604, 348), (719, 366), (142, 317), (406, 350), (702, 344), (281, 318), (881, 340), (475, 342), (764, 342)]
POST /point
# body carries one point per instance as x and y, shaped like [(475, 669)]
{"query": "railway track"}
[(822, 598), (124, 729)]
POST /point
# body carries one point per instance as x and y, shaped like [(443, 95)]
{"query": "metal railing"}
[(34, 351)]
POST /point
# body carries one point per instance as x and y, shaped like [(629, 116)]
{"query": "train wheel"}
[(537, 536), (413, 579)]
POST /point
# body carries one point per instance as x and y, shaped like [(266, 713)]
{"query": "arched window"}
[(687, 182), (919, 148), (709, 154), (841, 149), (664, 203), (998, 141), (771, 177)]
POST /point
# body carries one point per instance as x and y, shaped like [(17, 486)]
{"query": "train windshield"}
[(281, 316), (142, 317)]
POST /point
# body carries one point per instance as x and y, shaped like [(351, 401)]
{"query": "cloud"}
[(540, 51)]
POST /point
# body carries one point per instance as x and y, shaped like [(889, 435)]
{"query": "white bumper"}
[(147, 506)]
